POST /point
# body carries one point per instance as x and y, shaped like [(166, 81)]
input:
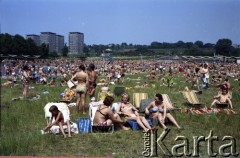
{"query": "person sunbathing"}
[(159, 111), (224, 97), (104, 115), (8, 83), (131, 113), (145, 85)]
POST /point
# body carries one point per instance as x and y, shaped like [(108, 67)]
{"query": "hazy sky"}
[(131, 21)]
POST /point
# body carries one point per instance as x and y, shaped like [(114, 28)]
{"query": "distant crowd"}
[(82, 79)]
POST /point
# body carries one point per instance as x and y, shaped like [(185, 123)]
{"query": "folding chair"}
[(192, 99), (93, 106), (169, 104), (137, 97)]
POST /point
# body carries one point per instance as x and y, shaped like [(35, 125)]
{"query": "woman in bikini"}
[(81, 88), (104, 115), (159, 110), (131, 113)]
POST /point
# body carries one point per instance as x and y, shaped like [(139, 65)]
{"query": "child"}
[(59, 120), (225, 97)]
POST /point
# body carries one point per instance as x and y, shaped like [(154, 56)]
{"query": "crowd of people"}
[(84, 75)]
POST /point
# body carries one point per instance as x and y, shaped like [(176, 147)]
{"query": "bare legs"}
[(60, 124), (119, 124), (170, 117), (25, 90), (142, 122), (218, 102), (81, 102)]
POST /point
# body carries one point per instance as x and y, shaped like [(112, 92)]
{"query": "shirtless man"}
[(81, 89), (225, 97), (92, 74)]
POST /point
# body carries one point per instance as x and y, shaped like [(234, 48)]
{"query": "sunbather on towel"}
[(60, 119), (131, 113), (160, 110), (104, 115), (225, 97)]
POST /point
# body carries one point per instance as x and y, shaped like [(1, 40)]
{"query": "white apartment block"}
[(59, 43), (49, 39), (76, 42)]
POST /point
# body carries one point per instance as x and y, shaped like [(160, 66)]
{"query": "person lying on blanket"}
[(159, 111), (131, 113), (104, 115), (225, 97), (60, 120)]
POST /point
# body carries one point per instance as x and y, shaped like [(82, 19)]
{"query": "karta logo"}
[(181, 147)]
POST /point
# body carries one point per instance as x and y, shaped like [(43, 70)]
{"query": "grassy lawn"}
[(22, 120)]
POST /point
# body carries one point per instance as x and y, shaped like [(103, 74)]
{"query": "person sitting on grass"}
[(60, 120), (145, 85), (52, 82), (222, 98), (8, 83), (159, 111), (104, 115), (131, 113)]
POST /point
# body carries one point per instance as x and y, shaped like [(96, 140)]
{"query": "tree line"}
[(18, 45)]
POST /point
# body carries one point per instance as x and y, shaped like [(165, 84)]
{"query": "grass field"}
[(22, 120)]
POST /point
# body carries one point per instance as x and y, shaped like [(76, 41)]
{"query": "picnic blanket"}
[(207, 110)]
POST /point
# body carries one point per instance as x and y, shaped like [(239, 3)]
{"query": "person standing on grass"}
[(81, 89), (60, 120), (92, 74), (25, 80), (205, 77)]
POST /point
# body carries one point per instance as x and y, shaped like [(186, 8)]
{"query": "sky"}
[(131, 21)]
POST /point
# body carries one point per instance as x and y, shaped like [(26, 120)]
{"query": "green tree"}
[(19, 45), (199, 44), (194, 50), (65, 50), (6, 44), (32, 48), (44, 50), (223, 47), (180, 44)]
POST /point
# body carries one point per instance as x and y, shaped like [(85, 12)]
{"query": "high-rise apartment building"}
[(35, 38), (49, 38), (76, 42), (59, 43)]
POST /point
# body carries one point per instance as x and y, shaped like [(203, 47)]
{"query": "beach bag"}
[(84, 125)]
